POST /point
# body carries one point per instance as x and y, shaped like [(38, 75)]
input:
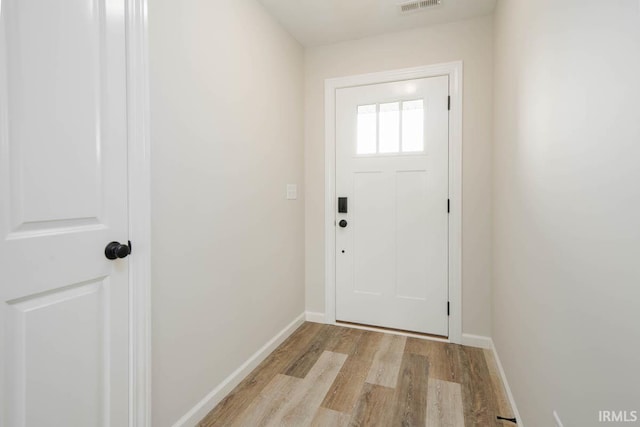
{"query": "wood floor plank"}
[(301, 366), (266, 405), (480, 408), (240, 397), (502, 401), (411, 392), (443, 358), (305, 399), (367, 345), (345, 340), (345, 390), (386, 362), (328, 418), (374, 408), (444, 404), (331, 383)]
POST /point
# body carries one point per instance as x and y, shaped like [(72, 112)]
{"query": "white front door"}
[(63, 192), (392, 235)]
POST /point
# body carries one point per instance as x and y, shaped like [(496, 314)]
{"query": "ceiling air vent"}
[(406, 7)]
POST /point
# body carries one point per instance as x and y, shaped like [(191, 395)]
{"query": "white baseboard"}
[(478, 341), (312, 316), (487, 343), (506, 385), (198, 412)]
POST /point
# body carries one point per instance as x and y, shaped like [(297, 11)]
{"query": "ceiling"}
[(317, 22)]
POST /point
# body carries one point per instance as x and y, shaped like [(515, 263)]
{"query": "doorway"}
[(74, 163), (393, 200)]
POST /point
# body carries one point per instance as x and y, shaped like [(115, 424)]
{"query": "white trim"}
[(202, 408), (392, 332), (315, 317), (454, 71), (139, 170), (312, 316), (478, 341), (505, 383), (329, 201)]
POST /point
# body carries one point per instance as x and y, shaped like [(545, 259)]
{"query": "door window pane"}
[(389, 127), (412, 126), (367, 129)]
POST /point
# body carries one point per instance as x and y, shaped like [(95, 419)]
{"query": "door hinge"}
[(448, 309), (448, 205), (449, 103)]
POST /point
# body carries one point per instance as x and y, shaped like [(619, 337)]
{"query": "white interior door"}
[(392, 241), (63, 188)]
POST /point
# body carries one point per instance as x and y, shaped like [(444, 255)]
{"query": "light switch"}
[(292, 191)]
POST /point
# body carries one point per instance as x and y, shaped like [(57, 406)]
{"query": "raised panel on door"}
[(63, 163), (412, 234), (79, 356), (373, 235), (392, 165), (50, 123)]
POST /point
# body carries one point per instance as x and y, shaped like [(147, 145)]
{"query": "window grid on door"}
[(390, 128)]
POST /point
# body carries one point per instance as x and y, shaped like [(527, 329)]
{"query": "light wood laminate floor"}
[(325, 375)]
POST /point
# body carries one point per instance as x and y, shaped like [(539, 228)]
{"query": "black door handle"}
[(343, 223), (115, 250)]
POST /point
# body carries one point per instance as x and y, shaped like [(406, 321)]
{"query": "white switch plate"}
[(292, 191)]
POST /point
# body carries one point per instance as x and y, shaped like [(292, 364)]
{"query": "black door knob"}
[(115, 250), (343, 223)]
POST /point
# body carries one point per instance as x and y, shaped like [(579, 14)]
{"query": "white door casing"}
[(391, 257), (64, 308), (333, 86)]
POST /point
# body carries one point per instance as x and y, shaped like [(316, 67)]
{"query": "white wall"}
[(470, 41), (226, 99), (567, 206)]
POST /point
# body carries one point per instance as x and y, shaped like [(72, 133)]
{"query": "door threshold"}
[(412, 334)]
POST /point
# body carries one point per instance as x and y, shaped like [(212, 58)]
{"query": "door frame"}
[(454, 71), (139, 199)]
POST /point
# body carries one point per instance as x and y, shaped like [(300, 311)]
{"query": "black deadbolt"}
[(343, 223), (115, 250), (342, 205)]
